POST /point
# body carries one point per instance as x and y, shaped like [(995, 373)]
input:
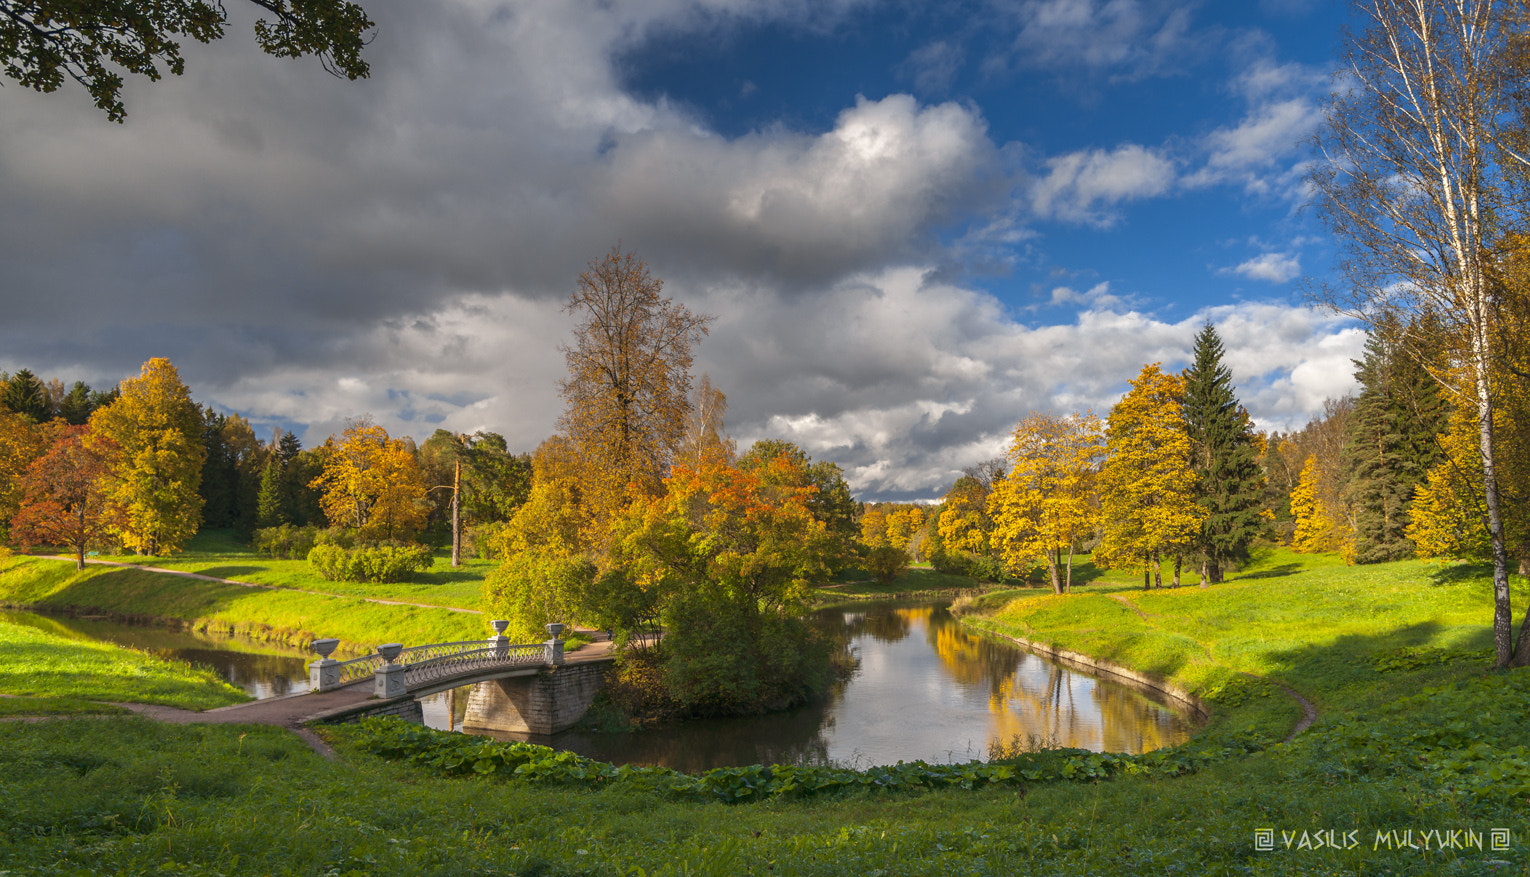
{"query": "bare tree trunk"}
[(457, 514), (1179, 560)]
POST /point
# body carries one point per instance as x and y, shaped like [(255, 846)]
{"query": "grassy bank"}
[(55, 674), (283, 615), (1416, 735)]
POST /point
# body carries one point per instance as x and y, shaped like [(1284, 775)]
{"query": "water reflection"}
[(262, 670), (925, 689)]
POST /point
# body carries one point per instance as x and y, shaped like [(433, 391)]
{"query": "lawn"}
[(43, 667)]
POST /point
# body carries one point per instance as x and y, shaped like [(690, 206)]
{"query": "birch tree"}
[(1410, 179)]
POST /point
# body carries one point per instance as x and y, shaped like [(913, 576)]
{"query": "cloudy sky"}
[(915, 222)]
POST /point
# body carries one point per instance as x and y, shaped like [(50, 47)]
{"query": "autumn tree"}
[(873, 524), (1047, 502), (828, 496), (628, 385), (904, 523), (65, 500), (554, 519), (43, 43), (372, 482), (705, 434), (21, 442), (157, 463), (1409, 184), (1147, 486), (731, 552), (1319, 527), (1224, 452)]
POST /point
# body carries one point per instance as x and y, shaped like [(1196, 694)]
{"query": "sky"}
[(913, 223)]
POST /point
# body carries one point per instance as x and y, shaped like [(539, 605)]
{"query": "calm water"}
[(924, 689)]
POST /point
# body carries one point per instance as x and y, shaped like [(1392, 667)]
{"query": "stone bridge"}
[(531, 688)]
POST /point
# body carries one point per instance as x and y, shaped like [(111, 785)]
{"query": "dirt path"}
[(197, 575)]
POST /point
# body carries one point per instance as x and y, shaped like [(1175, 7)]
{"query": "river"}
[(924, 688)]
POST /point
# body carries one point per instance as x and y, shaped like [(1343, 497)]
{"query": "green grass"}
[(219, 554), (282, 615), (43, 666)]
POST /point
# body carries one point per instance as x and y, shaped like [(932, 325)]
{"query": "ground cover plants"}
[(1416, 739)]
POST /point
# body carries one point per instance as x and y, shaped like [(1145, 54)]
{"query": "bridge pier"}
[(546, 703)]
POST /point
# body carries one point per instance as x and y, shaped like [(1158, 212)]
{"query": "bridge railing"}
[(396, 669)]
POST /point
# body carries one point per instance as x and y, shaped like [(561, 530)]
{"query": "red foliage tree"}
[(63, 501)]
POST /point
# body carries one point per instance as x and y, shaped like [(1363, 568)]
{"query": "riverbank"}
[(286, 615), (1417, 741)]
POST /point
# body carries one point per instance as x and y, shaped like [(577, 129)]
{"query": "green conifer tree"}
[(1391, 444), (1225, 456)]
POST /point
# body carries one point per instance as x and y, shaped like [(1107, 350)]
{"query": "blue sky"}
[(914, 222)]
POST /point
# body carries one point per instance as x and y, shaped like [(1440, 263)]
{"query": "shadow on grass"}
[(1354, 669), (228, 572), (1461, 572), (1285, 569)]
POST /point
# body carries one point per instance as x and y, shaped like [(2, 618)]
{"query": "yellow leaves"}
[(1147, 487), (158, 433), (1047, 501), (373, 483), (1317, 527)]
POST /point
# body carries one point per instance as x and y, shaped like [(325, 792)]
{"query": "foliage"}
[(157, 433), (554, 519), (828, 496), (964, 523), (531, 590), (292, 543), (1392, 444), (1047, 503), (384, 563), (373, 483), (21, 442), (42, 44), (27, 396), (64, 501), (628, 385), (725, 556), (1418, 191), (231, 471), (1147, 488), (887, 562), (1225, 449), (705, 434), (1317, 529)]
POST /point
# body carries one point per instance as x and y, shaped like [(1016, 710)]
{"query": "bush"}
[(532, 589), (986, 569), (887, 563), (381, 563), (286, 541)]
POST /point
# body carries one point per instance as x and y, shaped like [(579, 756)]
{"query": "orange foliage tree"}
[(64, 495), (373, 483)]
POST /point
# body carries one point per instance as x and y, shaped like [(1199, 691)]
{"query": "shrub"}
[(986, 569), (382, 563), (286, 541), (887, 563), (532, 589)]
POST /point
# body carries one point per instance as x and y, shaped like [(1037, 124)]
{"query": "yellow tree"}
[(628, 385), (1447, 520), (1047, 502), (1317, 527), (964, 524), (553, 521), (903, 522), (1147, 488), (157, 466), (373, 483), (873, 525)]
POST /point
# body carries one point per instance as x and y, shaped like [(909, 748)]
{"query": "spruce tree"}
[(270, 507), (28, 396), (1225, 457), (1391, 444)]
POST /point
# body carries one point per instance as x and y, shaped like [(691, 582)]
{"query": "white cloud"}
[(1087, 186), (1271, 267), (1128, 39)]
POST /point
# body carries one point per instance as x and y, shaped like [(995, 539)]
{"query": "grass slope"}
[(56, 674)]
